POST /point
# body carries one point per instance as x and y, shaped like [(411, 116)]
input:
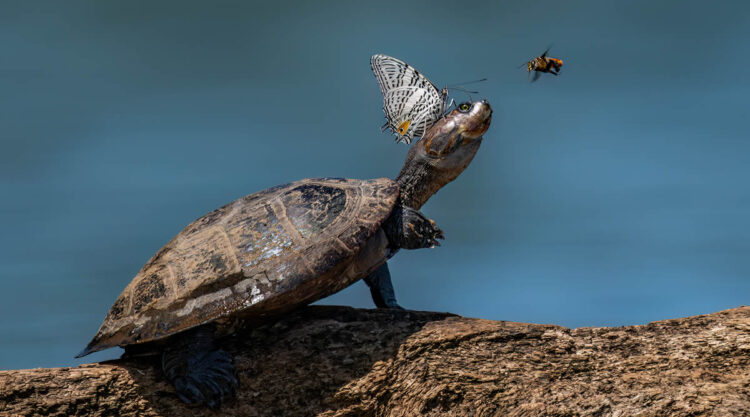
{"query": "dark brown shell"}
[(266, 252)]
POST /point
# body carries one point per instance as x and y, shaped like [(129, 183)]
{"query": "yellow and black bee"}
[(542, 64)]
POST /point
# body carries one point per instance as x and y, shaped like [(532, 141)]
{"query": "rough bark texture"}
[(337, 361)]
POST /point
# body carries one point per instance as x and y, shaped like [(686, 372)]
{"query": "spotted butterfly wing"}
[(412, 104)]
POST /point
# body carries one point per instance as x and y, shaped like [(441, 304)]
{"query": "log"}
[(339, 361)]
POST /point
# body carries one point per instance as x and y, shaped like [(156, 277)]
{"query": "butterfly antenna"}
[(464, 90), (453, 87), (448, 107)]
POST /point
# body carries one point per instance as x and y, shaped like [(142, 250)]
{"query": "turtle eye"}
[(464, 107)]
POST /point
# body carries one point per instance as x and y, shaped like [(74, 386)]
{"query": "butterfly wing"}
[(410, 111), (391, 73), (411, 102)]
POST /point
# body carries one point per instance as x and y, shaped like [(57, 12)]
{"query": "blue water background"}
[(614, 194)]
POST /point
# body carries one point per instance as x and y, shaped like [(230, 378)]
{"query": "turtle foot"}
[(210, 381), (410, 229), (201, 374), (381, 288)]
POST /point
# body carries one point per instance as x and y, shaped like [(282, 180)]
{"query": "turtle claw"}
[(432, 234), (438, 235), (188, 392)]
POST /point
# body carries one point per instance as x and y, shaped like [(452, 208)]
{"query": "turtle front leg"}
[(381, 288), (201, 372), (407, 228)]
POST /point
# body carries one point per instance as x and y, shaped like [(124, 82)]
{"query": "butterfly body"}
[(411, 102)]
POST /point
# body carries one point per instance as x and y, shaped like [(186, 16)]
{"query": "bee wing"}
[(547, 50)]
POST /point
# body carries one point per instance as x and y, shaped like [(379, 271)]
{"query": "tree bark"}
[(339, 361)]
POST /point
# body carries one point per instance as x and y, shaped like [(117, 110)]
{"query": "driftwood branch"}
[(337, 361)]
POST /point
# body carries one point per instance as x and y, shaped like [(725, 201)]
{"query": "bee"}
[(542, 64)]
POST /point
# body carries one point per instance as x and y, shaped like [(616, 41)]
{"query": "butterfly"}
[(411, 102)]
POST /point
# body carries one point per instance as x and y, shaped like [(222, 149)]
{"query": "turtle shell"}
[(263, 253)]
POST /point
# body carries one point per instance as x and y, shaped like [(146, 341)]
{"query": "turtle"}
[(279, 249)]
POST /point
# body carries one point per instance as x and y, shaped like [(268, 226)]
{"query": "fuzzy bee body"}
[(542, 64)]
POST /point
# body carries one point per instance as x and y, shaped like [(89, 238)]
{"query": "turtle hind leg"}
[(381, 288), (407, 228), (201, 372)]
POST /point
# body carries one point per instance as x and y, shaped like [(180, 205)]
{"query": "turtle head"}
[(443, 152)]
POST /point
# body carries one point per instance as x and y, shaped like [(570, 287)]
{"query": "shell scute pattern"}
[(150, 288), (260, 236), (208, 220), (313, 207), (255, 254), (360, 233), (120, 307), (197, 260), (330, 255)]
